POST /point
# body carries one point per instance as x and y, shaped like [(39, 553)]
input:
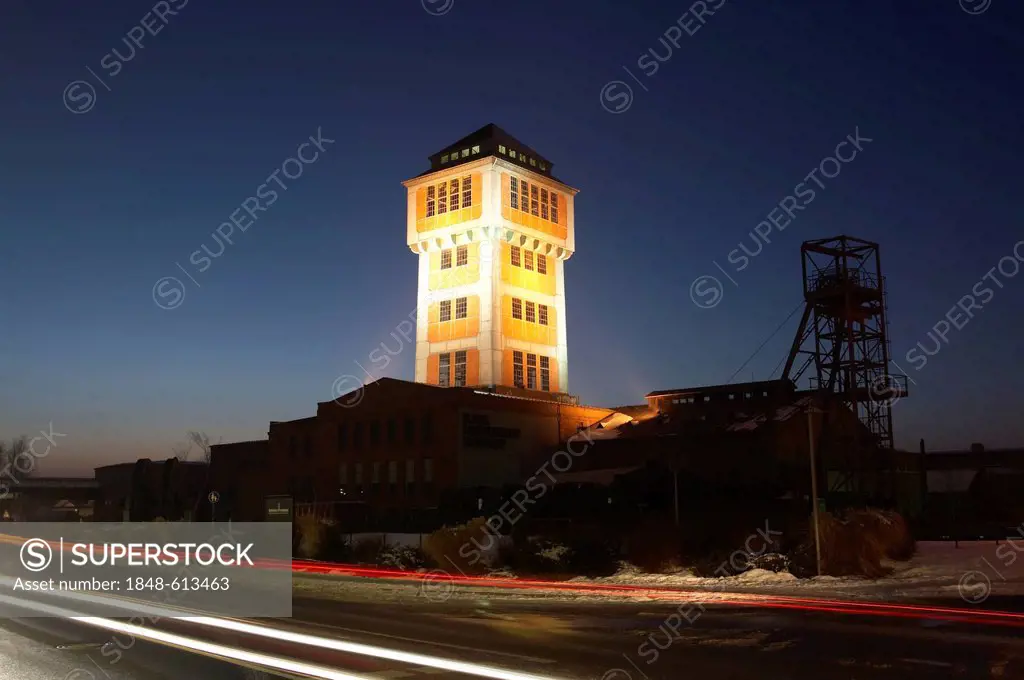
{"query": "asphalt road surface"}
[(551, 639)]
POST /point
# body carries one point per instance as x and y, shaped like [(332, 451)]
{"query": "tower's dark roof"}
[(489, 141)]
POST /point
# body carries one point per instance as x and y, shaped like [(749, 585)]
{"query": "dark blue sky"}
[(98, 206)]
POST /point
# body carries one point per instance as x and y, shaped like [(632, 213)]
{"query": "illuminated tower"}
[(492, 228)]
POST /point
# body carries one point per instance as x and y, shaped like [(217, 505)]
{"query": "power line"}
[(766, 340)]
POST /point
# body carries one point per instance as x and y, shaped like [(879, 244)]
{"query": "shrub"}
[(311, 533), (400, 557), (853, 545), (890, 530), (653, 545), (446, 547), (366, 549)]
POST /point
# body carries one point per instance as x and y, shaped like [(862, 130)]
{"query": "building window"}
[(357, 436), (534, 202), (517, 308), (517, 369), (531, 312), (462, 256), (542, 264), (542, 314), (444, 369), (533, 161), (446, 310), (375, 479), (501, 148), (410, 477), (543, 204), (442, 198), (524, 194), (431, 201), (343, 475), (392, 476), (514, 193), (522, 156), (465, 153), (475, 150), (531, 371), (512, 153), (359, 477), (392, 432), (428, 474), (554, 207), (461, 307), (467, 191), (342, 437), (374, 434), (516, 256), (427, 430), (446, 259), (410, 431), (453, 195), (528, 260), (545, 374), (460, 369)]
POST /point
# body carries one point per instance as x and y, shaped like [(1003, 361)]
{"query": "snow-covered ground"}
[(970, 572), (973, 570)]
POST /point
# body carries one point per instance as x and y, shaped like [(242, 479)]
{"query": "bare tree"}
[(202, 440), (9, 453)]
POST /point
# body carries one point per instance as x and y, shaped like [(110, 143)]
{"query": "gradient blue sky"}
[(98, 206)]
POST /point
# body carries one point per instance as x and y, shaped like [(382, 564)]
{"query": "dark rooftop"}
[(490, 140)]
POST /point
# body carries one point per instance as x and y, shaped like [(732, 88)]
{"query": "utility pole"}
[(811, 410)]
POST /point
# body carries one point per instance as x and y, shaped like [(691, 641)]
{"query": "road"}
[(547, 638)]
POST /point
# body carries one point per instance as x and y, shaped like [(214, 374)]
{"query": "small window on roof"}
[(512, 153), (543, 166), (533, 162), (522, 156), (475, 150), (501, 148), (444, 158), (465, 153)]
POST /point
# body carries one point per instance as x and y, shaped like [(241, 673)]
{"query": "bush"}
[(311, 533), (653, 546), (400, 557), (856, 544), (366, 550), (445, 547)]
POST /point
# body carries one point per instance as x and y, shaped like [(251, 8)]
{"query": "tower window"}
[(446, 310), (446, 259), (431, 201), (517, 308), (453, 194), (545, 374), (467, 191), (542, 314), (515, 254), (543, 204), (444, 369), (460, 368), (514, 193), (460, 308), (554, 207), (534, 202), (531, 312), (442, 198), (531, 371), (528, 260), (461, 256), (542, 264), (517, 369)]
